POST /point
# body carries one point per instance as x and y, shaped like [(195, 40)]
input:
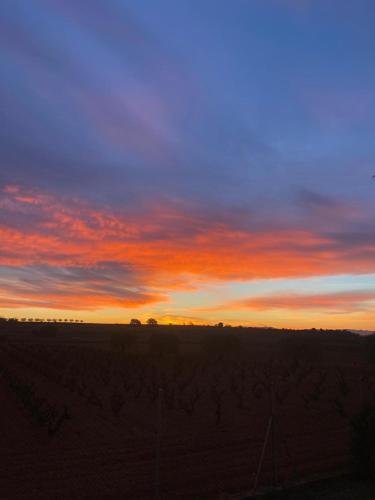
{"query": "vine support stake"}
[(273, 450), (158, 444), (261, 459)]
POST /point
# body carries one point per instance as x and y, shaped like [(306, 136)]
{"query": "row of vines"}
[(211, 404)]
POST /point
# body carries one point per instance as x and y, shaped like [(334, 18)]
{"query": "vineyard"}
[(91, 423)]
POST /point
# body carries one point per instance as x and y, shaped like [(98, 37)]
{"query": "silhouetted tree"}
[(135, 322), (152, 322)]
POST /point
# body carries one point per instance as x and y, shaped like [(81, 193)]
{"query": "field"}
[(344, 488), (192, 413)]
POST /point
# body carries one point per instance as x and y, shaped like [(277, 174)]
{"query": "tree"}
[(152, 322), (135, 322)]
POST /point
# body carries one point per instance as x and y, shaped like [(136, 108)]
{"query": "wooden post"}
[(261, 459), (273, 450), (158, 444)]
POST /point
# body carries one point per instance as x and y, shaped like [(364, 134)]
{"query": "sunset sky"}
[(198, 160)]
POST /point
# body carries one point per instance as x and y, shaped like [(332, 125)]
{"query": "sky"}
[(192, 161)]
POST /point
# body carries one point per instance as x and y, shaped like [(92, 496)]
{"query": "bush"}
[(363, 443)]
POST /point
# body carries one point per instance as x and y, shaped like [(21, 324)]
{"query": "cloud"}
[(112, 111), (337, 108), (311, 200), (73, 288), (179, 319), (83, 102), (72, 253), (171, 238), (335, 302)]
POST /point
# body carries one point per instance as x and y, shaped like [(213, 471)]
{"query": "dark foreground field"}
[(334, 489), (92, 412)]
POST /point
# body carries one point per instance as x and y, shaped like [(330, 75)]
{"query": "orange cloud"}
[(78, 302), (353, 301), (72, 288), (167, 247)]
